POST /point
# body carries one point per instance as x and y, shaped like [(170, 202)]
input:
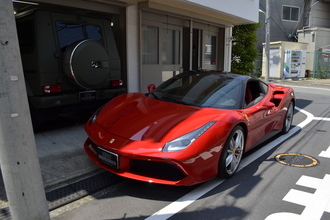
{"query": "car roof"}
[(240, 77)]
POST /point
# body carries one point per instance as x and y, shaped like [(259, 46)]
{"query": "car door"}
[(259, 112)]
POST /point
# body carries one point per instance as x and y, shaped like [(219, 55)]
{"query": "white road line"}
[(191, 197), (315, 203), (325, 154), (321, 119), (304, 87)]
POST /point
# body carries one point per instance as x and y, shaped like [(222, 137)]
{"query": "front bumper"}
[(147, 169), (150, 169)]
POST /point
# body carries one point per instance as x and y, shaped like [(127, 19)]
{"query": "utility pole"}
[(267, 39), (18, 154)]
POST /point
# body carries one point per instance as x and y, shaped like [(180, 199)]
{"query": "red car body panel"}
[(136, 128)]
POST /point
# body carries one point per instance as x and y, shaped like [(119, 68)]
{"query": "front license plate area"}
[(87, 96), (109, 158)]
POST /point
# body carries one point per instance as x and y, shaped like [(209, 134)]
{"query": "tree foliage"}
[(244, 51)]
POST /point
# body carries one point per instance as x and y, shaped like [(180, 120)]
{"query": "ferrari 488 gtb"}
[(191, 128)]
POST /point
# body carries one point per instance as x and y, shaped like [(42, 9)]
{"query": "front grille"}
[(156, 169)]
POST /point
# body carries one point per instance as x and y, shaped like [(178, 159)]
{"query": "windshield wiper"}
[(177, 101), (151, 93)]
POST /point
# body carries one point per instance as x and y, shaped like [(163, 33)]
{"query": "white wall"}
[(133, 42), (245, 9)]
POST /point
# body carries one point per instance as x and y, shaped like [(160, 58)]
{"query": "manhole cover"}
[(296, 160)]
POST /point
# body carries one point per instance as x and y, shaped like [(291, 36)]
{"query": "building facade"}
[(316, 33), (157, 39), (306, 22), (286, 18)]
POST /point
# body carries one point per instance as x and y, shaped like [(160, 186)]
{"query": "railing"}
[(257, 66), (321, 65)]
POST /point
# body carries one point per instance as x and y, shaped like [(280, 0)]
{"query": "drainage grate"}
[(296, 160), (77, 190), (64, 195)]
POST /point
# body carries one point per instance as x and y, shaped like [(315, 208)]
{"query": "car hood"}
[(137, 117)]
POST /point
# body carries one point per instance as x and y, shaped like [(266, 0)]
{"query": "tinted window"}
[(255, 92), (69, 33), (25, 32), (204, 90), (264, 87), (149, 44), (171, 46)]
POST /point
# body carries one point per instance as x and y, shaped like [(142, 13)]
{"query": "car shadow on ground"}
[(302, 103)]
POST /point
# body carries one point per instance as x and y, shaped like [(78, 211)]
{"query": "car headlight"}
[(184, 141), (94, 116)]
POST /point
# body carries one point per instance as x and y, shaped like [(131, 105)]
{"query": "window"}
[(149, 44), (210, 50), (255, 92), (69, 33), (25, 30), (290, 13), (171, 46)]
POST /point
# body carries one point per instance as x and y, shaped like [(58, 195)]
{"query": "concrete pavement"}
[(322, 83), (61, 155)]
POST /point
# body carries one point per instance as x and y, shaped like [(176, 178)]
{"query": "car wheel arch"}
[(223, 172), (245, 129), (293, 102), (287, 122)]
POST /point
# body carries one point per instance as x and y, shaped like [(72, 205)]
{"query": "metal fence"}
[(321, 68), (321, 65), (257, 66)]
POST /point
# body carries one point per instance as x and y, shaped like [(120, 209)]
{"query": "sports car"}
[(193, 127)]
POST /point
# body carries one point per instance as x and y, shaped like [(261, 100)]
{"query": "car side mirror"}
[(151, 87)]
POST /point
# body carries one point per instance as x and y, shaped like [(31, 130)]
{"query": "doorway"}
[(195, 65)]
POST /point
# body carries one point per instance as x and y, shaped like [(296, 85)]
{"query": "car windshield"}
[(210, 90)]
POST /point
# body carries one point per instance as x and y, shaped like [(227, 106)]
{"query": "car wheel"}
[(288, 119), (232, 153)]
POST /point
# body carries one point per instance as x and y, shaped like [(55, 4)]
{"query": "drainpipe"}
[(228, 49), (191, 31), (267, 48)]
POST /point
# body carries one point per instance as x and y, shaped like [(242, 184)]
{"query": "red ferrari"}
[(190, 129)]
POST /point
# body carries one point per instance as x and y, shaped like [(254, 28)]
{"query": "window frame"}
[(214, 36), (145, 51), (175, 46), (290, 15)]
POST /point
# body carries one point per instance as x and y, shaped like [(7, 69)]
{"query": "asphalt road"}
[(262, 189)]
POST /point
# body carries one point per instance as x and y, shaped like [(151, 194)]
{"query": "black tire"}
[(287, 122), (232, 152), (87, 64)]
